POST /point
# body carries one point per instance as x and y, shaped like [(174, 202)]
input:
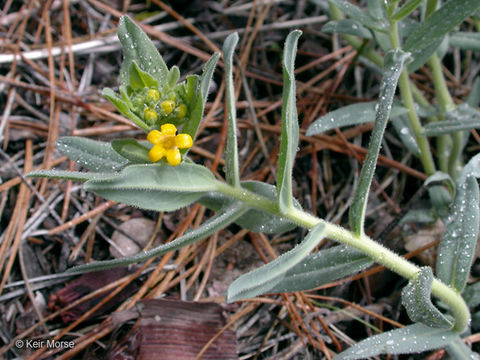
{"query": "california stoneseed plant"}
[(156, 174)]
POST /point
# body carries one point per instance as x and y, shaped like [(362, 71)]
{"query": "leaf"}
[(394, 61), (122, 106), (158, 187), (140, 79), (172, 77), (231, 151), (463, 117), (289, 139), (262, 279), (473, 99), (410, 339), (353, 114), (459, 351), (405, 133), (93, 155), (322, 268), (217, 222), (139, 48), (428, 35), (201, 94), (254, 220), (70, 175), (465, 40), (471, 295), (457, 247), (132, 150), (347, 26), (416, 300), (406, 9), (354, 12)]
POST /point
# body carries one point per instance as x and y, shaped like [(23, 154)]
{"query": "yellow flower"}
[(166, 143)]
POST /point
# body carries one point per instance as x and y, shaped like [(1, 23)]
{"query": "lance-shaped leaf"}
[(140, 79), (289, 140), (93, 155), (410, 339), (428, 35), (471, 294), (406, 9), (464, 117), (465, 40), (231, 152), (159, 187), (219, 221), (459, 351), (354, 12), (70, 175), (405, 133), (132, 150), (124, 109), (394, 61), (416, 300), (200, 97), (347, 26), (139, 48), (457, 247), (263, 279), (254, 220), (353, 114), (322, 268)]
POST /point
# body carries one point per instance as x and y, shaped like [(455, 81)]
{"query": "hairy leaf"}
[(263, 279), (347, 26), (132, 150), (93, 155)]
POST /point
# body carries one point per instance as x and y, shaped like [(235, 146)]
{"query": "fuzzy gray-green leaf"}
[(457, 247), (159, 187), (347, 26), (219, 221), (353, 114), (465, 40), (354, 12), (289, 139), (394, 61), (416, 300), (322, 268), (464, 117), (231, 151), (428, 35), (139, 48), (122, 106), (410, 339), (93, 155), (263, 279), (200, 94), (406, 9), (70, 175), (459, 351)]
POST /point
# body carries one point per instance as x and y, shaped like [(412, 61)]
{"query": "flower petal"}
[(154, 136), (183, 141), (156, 153), (173, 156), (168, 129)]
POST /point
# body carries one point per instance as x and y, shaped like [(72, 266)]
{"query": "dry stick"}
[(18, 238), (99, 209), (187, 24), (212, 244)]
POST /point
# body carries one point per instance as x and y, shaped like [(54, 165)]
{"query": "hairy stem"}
[(362, 242)]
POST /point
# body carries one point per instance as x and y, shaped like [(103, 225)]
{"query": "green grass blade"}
[(289, 140), (394, 62)]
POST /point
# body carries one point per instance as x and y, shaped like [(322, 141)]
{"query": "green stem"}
[(446, 104), (404, 85), (362, 242)]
